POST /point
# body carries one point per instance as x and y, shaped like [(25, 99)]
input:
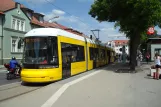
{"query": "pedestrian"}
[(157, 59), (147, 57)]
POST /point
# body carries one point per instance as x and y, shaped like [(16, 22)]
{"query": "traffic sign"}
[(150, 31)]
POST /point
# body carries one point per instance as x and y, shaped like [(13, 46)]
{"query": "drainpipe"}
[(2, 40)]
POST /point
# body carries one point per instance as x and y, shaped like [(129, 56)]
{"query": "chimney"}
[(17, 5)]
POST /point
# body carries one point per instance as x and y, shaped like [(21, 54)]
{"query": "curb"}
[(1, 67), (2, 71)]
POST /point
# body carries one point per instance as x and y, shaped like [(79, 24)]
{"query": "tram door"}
[(66, 61)]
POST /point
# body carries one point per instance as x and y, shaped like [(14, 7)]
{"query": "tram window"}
[(52, 52), (91, 52), (80, 53), (73, 52), (96, 55), (66, 50), (102, 53)]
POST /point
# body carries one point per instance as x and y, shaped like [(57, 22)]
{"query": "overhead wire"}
[(70, 14)]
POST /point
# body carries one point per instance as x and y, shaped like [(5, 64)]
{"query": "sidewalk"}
[(125, 67), (1, 66), (104, 89)]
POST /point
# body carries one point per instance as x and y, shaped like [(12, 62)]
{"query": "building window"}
[(41, 19), (14, 45), (157, 50), (22, 26), (29, 15), (18, 24), (14, 24)]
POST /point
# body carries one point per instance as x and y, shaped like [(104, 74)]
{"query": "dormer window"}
[(29, 15), (41, 19)]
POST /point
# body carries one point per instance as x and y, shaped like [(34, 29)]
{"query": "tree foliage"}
[(133, 16)]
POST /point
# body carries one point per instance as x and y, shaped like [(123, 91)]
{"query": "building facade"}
[(15, 21), (118, 44), (14, 26), (154, 46)]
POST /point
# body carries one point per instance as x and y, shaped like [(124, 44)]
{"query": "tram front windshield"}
[(40, 50)]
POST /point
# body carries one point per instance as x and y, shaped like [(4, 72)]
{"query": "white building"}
[(154, 46), (117, 44)]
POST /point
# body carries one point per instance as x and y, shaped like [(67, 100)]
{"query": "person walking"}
[(147, 57), (157, 59)]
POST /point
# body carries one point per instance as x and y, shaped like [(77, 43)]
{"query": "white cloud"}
[(51, 16), (58, 12), (107, 31), (62, 16)]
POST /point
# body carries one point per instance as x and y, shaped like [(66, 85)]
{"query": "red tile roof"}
[(7, 5), (61, 26), (36, 21), (1, 12), (10, 4), (121, 42), (39, 14), (52, 25)]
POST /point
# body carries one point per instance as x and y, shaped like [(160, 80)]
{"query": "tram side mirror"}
[(20, 41)]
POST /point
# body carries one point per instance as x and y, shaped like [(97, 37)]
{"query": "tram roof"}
[(44, 32)]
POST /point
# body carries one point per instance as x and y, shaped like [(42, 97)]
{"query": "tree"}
[(133, 16)]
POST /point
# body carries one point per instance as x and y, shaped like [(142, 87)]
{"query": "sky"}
[(74, 14)]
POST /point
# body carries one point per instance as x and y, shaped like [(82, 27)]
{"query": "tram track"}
[(8, 91), (18, 94), (15, 90), (8, 86)]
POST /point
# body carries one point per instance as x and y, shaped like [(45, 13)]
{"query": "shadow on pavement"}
[(35, 84), (148, 77), (120, 68)]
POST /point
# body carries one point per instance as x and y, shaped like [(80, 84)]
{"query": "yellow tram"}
[(52, 54)]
